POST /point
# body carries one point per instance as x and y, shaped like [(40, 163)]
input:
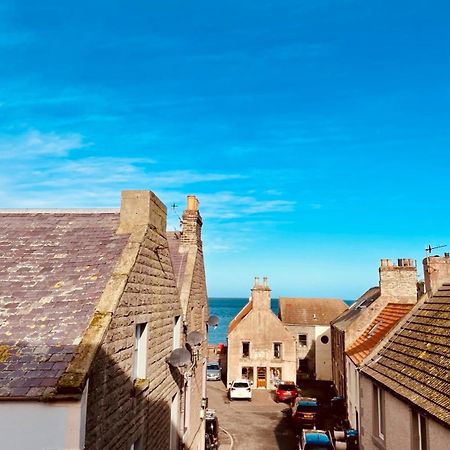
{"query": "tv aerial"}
[(429, 249)]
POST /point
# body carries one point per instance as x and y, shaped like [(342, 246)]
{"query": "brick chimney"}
[(192, 223), (399, 281), (436, 270), (261, 295), (141, 208)]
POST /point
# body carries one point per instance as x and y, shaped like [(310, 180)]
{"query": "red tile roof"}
[(310, 311), (53, 270), (377, 330)]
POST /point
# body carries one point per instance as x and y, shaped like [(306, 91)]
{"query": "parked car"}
[(213, 371), (211, 430), (286, 391), (315, 440), (240, 389), (305, 412)]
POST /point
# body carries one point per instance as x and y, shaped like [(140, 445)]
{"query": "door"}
[(261, 379)]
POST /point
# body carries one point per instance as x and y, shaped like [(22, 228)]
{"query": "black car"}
[(305, 412), (211, 430)]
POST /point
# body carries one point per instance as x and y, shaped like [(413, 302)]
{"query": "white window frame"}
[(380, 412), (140, 351), (305, 336), (280, 350), (420, 440), (176, 341)]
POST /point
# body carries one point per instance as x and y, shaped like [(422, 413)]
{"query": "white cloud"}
[(35, 144)]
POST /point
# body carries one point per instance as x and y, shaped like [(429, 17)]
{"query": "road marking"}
[(229, 435)]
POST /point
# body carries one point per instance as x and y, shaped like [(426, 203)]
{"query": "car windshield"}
[(240, 385), (286, 387), (213, 367), (306, 408), (317, 447)]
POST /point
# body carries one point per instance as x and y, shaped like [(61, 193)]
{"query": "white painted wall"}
[(323, 353), (398, 423), (35, 425), (353, 403)]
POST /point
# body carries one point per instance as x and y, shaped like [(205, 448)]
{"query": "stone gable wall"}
[(197, 315), (120, 411)]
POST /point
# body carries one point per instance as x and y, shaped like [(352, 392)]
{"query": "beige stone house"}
[(308, 320), (397, 284), (260, 347), (90, 311), (405, 381)]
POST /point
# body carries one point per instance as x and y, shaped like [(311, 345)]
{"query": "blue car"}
[(315, 440)]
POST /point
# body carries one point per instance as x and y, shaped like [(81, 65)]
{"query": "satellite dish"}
[(213, 321), (179, 357), (195, 338)]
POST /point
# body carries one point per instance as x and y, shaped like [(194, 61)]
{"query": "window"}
[(277, 350), (187, 404), (419, 432), (137, 444), (379, 412), (302, 340), (176, 332), (246, 349), (140, 351)]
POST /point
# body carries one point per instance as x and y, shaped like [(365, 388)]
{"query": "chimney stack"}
[(261, 295), (192, 223), (139, 209), (436, 271), (399, 281)]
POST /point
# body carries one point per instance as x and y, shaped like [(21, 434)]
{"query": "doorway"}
[(262, 376)]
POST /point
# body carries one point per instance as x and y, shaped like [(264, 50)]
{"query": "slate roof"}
[(53, 270), (345, 319), (178, 259), (415, 362), (310, 311), (377, 330)]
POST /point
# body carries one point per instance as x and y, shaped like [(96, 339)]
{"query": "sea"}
[(226, 309)]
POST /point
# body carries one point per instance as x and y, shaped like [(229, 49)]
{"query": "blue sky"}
[(315, 134)]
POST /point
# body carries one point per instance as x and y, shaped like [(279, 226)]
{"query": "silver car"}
[(213, 371)]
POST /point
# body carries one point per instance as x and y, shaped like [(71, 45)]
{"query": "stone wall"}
[(197, 315), (436, 271), (399, 281), (121, 411)]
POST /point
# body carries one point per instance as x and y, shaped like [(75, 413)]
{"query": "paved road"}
[(256, 425)]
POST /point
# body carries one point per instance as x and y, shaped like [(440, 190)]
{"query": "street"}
[(256, 425)]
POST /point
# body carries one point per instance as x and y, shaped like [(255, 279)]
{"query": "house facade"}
[(397, 284), (361, 349), (90, 312), (308, 321), (404, 385), (260, 347)]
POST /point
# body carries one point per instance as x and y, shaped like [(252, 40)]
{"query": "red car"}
[(286, 392)]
